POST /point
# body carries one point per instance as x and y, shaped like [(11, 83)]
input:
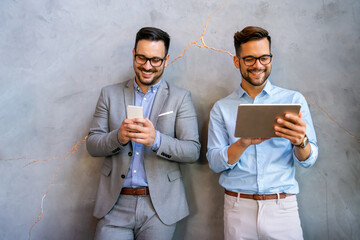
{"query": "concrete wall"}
[(56, 55)]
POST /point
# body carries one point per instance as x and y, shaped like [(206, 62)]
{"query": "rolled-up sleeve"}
[(310, 132), (218, 142)]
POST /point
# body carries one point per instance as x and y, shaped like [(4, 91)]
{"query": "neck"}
[(144, 88), (252, 90)]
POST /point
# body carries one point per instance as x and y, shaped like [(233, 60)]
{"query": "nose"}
[(257, 64), (147, 64)]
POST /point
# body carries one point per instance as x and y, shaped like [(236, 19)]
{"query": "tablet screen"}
[(258, 120)]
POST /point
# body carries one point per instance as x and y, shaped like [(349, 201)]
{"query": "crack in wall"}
[(202, 39), (66, 155)]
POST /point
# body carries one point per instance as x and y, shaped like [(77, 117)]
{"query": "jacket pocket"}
[(106, 167), (166, 124), (174, 175)]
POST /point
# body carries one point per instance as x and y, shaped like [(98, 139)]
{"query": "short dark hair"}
[(248, 34), (153, 34)]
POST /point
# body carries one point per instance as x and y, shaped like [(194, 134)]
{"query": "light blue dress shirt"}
[(264, 168), (136, 176)]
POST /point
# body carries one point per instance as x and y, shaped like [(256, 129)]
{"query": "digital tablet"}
[(258, 120)]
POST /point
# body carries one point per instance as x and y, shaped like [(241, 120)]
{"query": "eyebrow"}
[(255, 57), (147, 57)]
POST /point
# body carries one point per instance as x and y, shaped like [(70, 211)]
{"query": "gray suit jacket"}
[(179, 144)]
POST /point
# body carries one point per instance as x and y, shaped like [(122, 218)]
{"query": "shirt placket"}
[(139, 148), (259, 155), (259, 158)]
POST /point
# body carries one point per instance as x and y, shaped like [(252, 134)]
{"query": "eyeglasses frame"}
[(257, 58), (149, 59)]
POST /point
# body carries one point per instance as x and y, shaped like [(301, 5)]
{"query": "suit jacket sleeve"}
[(183, 145), (102, 140)]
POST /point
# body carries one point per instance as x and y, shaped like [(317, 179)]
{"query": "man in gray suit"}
[(141, 193)]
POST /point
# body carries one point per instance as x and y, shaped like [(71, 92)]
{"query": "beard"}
[(156, 77), (260, 81)]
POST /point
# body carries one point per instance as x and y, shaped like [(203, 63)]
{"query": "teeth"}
[(257, 72)]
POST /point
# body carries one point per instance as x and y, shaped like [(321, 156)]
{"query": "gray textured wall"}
[(56, 55)]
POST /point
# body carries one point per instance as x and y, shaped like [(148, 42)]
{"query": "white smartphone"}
[(134, 112)]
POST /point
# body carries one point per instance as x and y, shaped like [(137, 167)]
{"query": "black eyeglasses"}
[(155, 61), (264, 60)]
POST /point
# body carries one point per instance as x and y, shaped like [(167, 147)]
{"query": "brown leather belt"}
[(258, 196), (135, 191)]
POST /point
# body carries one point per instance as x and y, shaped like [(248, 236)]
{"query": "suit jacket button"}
[(122, 176), (130, 154)]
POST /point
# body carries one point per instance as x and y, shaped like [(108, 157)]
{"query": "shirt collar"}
[(152, 88), (268, 87), (241, 92), (266, 90)]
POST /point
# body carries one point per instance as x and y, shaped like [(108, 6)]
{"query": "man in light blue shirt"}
[(258, 174)]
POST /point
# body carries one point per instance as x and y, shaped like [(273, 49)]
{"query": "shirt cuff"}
[(157, 142), (310, 160), (226, 158)]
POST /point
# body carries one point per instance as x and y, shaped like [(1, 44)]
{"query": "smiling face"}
[(254, 76), (146, 74)]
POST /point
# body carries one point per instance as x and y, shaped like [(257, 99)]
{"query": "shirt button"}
[(145, 98), (137, 153), (134, 171), (130, 154)]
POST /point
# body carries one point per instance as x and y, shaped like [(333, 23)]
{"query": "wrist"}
[(304, 142), (241, 143), (122, 142)]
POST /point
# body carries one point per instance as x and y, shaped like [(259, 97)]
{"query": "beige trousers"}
[(262, 219)]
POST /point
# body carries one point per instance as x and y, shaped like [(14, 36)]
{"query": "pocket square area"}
[(165, 113)]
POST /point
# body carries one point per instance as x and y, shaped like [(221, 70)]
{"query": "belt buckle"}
[(259, 196), (142, 191)]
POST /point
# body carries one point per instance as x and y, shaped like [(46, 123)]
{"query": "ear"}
[(166, 60), (133, 51), (236, 62)]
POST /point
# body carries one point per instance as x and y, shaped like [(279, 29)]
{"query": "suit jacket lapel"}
[(129, 93), (159, 101)]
